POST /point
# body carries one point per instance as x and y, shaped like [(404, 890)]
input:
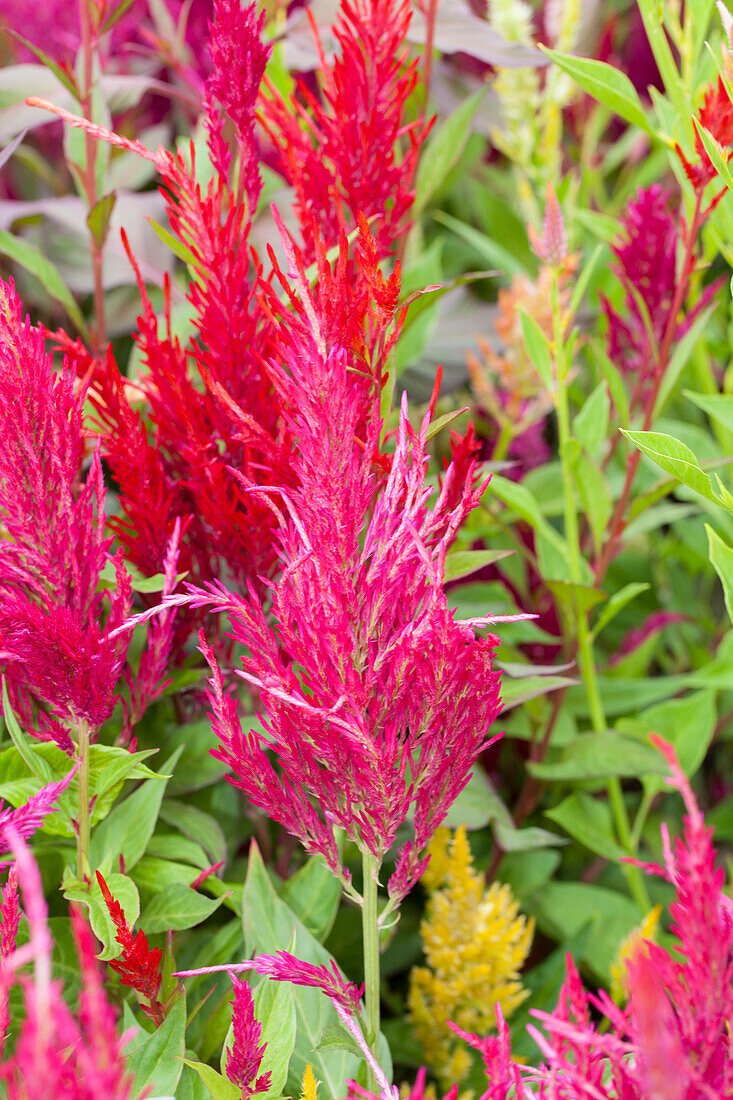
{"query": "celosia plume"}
[(647, 268), (139, 965), (54, 643), (715, 116), (27, 819), (340, 153), (284, 967), (244, 1056)]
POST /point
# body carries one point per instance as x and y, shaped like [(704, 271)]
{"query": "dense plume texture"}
[(54, 635), (365, 674), (339, 152), (244, 1056)]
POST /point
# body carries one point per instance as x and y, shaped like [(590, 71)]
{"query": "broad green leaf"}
[(562, 909), (590, 426), (313, 893), (538, 347), (721, 556), (716, 153), (33, 759), (462, 563), (608, 85), (520, 499), (157, 1060), (598, 756), (268, 925), (177, 907), (486, 247), (588, 820), (196, 825), (127, 829), (443, 149), (595, 497), (123, 890), (688, 723), (617, 602), (49, 276), (675, 458), (719, 406), (514, 692), (682, 351), (652, 12), (217, 1085)]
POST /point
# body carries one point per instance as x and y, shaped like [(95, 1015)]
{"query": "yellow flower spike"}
[(309, 1087), (475, 942), (437, 869), (645, 931)]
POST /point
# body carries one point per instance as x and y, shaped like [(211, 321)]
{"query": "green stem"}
[(586, 656), (82, 842), (370, 934)]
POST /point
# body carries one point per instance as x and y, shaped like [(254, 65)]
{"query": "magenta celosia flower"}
[(10, 918), (54, 645), (284, 967), (59, 1055), (646, 252), (239, 57), (375, 698), (244, 1056)]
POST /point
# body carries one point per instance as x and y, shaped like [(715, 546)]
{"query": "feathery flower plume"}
[(54, 646), (475, 944), (340, 154), (646, 252), (551, 245), (715, 116), (365, 673), (244, 1056), (239, 57), (284, 967), (59, 1055), (309, 1087), (10, 918), (139, 965)]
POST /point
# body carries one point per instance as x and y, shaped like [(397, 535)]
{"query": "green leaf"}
[(588, 820), (652, 12), (520, 499), (35, 762), (514, 692), (157, 1060), (49, 276), (313, 893), (99, 217), (608, 85), (196, 825), (718, 406), (575, 599), (462, 563), (60, 74), (538, 347), (682, 351), (486, 247), (123, 890), (598, 756), (721, 556), (595, 497), (675, 458), (615, 382), (338, 1038), (486, 806), (128, 828), (562, 909), (590, 426), (177, 907), (268, 925), (443, 150), (715, 152), (218, 1086), (617, 603), (688, 723), (177, 247), (275, 1010)]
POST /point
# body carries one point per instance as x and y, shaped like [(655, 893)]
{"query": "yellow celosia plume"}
[(475, 942), (645, 931), (309, 1086)]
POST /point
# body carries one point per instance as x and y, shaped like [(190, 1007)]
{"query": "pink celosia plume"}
[(54, 638), (244, 1056)]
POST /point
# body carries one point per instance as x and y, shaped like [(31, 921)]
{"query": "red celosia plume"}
[(139, 964)]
